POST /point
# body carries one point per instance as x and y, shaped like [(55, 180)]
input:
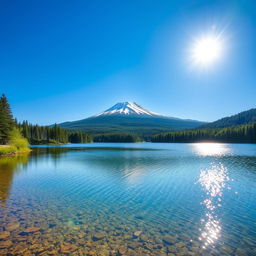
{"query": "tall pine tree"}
[(6, 120)]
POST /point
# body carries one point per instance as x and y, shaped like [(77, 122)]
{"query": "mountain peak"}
[(129, 117), (127, 108)]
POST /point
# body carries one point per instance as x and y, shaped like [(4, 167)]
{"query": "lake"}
[(129, 199)]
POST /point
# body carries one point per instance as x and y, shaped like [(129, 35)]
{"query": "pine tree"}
[(6, 120), (237, 134)]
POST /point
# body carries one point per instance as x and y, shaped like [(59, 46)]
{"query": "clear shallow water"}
[(129, 199)]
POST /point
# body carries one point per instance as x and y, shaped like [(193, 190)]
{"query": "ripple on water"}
[(125, 202)]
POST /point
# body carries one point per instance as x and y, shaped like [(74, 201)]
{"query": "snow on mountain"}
[(127, 108), (129, 117)]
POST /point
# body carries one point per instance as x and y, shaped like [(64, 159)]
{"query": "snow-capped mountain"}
[(129, 117), (127, 108)]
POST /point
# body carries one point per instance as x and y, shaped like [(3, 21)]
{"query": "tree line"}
[(116, 137), (238, 134), (13, 132), (37, 134), (20, 134)]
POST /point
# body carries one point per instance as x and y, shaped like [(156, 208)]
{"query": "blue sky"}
[(67, 60)]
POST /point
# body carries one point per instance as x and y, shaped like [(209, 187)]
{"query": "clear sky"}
[(67, 60)]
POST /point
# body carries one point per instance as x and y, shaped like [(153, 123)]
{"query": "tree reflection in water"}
[(9, 166)]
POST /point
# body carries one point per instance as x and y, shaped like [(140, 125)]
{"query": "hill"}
[(245, 133), (244, 117)]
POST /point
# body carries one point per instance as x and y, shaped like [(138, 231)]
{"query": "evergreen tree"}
[(117, 137), (237, 134), (36, 134), (6, 120)]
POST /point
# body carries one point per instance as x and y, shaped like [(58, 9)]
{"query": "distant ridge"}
[(130, 117), (244, 117)]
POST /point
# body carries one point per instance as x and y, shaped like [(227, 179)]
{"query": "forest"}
[(17, 136), (238, 134), (117, 137), (36, 134), (245, 117)]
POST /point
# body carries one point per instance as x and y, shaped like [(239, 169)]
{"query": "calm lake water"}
[(129, 199)]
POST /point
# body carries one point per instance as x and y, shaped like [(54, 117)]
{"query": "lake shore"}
[(10, 150)]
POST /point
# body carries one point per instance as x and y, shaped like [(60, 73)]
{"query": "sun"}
[(206, 50)]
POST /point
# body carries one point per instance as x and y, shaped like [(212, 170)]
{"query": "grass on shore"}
[(11, 150), (17, 144)]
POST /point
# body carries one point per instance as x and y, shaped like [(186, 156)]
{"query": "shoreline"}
[(10, 150), (15, 153)]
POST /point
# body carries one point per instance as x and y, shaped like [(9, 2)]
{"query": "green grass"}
[(10, 150), (6, 149)]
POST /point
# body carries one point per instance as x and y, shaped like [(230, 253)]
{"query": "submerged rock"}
[(169, 240), (143, 238), (98, 236), (52, 252), (91, 253), (137, 233), (122, 251), (4, 235), (31, 230), (180, 244), (21, 238), (67, 248), (12, 226), (5, 244)]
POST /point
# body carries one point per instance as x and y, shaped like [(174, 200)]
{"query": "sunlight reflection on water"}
[(213, 181), (211, 149)]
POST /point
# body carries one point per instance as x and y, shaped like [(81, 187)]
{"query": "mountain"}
[(129, 117), (127, 108), (244, 117)]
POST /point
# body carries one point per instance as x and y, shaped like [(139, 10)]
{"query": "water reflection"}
[(213, 181), (8, 167), (211, 149), (92, 201), (48, 153)]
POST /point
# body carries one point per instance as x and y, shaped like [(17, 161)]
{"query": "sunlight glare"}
[(213, 180), (206, 50), (210, 149)]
